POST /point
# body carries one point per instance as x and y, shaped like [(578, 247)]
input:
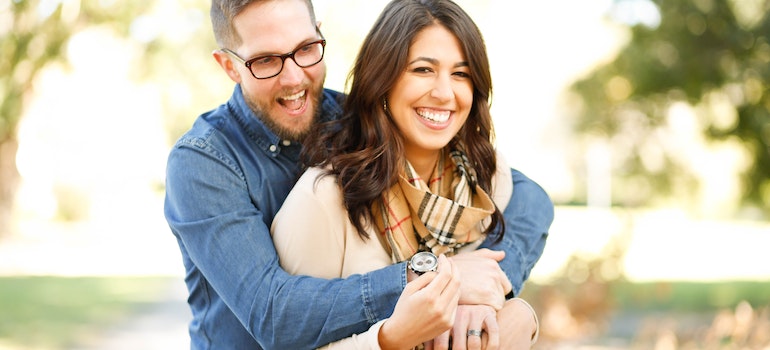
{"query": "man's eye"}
[(264, 61)]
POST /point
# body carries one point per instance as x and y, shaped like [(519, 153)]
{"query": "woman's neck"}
[(424, 164)]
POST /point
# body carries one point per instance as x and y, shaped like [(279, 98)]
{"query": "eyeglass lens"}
[(271, 65)]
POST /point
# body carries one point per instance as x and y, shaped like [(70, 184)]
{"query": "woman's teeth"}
[(433, 115)]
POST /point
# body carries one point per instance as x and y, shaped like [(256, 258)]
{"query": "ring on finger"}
[(474, 332)]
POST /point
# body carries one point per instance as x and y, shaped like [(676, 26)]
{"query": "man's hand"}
[(519, 325), (484, 283)]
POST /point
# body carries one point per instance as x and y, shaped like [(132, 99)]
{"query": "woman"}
[(410, 167)]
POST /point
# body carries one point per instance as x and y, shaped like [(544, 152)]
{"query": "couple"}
[(418, 109)]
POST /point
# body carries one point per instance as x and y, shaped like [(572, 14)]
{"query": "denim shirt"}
[(226, 179), (528, 217)]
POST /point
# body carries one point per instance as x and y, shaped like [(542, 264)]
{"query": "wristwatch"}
[(422, 262)]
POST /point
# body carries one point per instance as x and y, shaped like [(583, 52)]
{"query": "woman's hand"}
[(425, 309), (474, 318), (481, 318)]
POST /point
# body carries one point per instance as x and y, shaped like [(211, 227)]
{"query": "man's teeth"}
[(296, 96), (434, 116), (293, 102)]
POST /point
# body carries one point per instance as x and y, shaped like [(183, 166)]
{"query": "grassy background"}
[(689, 296), (55, 312), (620, 314), (61, 312)]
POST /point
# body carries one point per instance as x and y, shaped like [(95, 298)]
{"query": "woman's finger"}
[(492, 332)]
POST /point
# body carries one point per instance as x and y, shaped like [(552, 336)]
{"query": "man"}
[(229, 175)]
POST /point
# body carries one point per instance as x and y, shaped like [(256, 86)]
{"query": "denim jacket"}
[(226, 179)]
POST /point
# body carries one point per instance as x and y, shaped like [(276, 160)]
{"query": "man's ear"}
[(226, 62)]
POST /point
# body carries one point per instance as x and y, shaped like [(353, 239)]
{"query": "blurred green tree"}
[(34, 34), (710, 56)]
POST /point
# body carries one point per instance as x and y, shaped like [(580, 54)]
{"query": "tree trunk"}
[(9, 181)]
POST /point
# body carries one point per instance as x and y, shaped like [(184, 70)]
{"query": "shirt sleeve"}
[(528, 217), (224, 235), (368, 340)]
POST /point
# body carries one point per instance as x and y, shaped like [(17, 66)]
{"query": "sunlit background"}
[(626, 265)]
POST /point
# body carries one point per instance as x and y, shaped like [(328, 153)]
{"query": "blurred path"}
[(162, 327)]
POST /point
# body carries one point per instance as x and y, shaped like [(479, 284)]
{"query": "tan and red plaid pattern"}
[(441, 215)]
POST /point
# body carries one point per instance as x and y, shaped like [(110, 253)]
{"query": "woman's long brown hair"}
[(364, 148)]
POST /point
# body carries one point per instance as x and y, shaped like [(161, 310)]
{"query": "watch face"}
[(423, 262)]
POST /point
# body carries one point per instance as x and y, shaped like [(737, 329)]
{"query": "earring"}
[(385, 105)]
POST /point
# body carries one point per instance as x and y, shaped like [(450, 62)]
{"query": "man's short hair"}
[(223, 12)]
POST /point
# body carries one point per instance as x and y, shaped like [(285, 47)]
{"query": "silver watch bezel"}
[(418, 262)]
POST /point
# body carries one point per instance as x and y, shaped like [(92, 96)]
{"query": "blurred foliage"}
[(590, 303), (578, 301), (167, 36), (33, 35), (712, 56), (731, 328)]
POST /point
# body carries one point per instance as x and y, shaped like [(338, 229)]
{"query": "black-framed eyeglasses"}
[(268, 66)]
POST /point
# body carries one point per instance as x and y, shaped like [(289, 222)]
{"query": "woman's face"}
[(432, 98)]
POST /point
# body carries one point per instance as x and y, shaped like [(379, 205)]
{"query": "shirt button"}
[(286, 143), (273, 148)]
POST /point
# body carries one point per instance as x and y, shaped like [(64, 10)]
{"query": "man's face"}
[(289, 102)]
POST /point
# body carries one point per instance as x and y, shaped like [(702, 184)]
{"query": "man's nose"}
[(291, 74)]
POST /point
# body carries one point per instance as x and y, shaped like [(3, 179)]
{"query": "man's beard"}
[(260, 110)]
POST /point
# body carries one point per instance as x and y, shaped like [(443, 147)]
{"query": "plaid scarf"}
[(448, 212)]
